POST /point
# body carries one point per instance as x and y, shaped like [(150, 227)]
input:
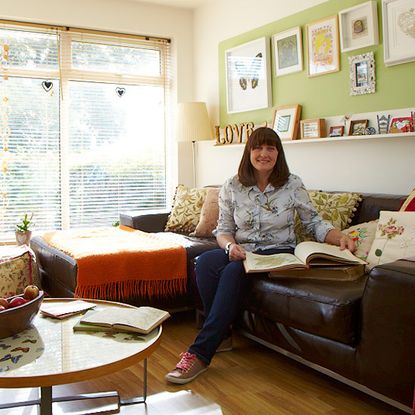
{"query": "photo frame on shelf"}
[(323, 46), (362, 74), (288, 51), (286, 120), (358, 127), (401, 125), (248, 77), (336, 131), (313, 128), (398, 31), (359, 26)]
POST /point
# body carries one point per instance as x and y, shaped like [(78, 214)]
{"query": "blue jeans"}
[(221, 284)]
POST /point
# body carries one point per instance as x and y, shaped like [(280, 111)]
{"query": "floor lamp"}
[(193, 125)]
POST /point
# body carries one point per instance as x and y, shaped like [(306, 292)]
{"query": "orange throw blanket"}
[(117, 263)]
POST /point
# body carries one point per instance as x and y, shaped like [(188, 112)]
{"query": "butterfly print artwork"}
[(248, 70)]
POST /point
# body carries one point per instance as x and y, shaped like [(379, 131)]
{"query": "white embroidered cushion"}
[(395, 238)]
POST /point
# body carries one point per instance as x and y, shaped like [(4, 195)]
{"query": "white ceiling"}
[(189, 4)]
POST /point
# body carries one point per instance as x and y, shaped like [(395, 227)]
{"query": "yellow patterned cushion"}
[(363, 235), (336, 208), (185, 213)]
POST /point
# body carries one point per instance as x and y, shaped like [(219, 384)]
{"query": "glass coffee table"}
[(50, 353)]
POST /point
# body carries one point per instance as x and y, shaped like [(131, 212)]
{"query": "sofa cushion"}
[(409, 204), (395, 238), (209, 215), (185, 213), (336, 208), (324, 308), (363, 235)]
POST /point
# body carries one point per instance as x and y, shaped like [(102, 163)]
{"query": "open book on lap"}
[(306, 254), (135, 320)]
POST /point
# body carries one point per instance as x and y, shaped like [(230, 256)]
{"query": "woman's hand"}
[(336, 237), (236, 252)]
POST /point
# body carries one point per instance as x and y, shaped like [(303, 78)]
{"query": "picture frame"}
[(359, 26), (398, 31), (401, 125), (286, 120), (248, 77), (383, 123), (336, 131), (323, 46), (313, 128), (288, 51), (362, 74), (358, 127)]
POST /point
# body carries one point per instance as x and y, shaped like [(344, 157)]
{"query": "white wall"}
[(383, 166)]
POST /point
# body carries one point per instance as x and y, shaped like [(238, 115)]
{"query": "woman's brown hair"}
[(259, 137)]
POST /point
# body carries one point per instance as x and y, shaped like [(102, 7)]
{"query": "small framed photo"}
[(398, 31), (362, 74), (286, 120), (248, 77), (358, 127), (401, 125), (359, 26), (323, 46), (288, 51), (336, 131), (315, 128)]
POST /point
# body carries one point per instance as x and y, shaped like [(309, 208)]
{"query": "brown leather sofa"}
[(359, 332)]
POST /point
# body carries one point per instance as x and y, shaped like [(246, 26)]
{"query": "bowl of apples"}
[(17, 312)]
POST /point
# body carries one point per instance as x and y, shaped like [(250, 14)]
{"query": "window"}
[(83, 127)]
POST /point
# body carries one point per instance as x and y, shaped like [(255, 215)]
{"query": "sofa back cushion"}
[(209, 215)]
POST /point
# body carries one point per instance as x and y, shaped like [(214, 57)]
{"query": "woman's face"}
[(264, 157)]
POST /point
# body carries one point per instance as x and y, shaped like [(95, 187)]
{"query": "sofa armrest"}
[(386, 352), (146, 222)]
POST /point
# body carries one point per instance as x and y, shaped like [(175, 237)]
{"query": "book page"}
[(307, 251), (71, 307), (263, 263), (142, 319)]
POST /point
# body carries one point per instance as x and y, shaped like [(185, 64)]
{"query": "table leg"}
[(142, 399), (46, 400)]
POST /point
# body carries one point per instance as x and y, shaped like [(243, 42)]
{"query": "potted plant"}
[(23, 233)]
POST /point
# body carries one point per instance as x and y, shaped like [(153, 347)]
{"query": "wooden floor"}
[(249, 380)]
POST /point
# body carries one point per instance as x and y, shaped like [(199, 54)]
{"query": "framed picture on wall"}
[(362, 74), (288, 52), (323, 46), (398, 18), (286, 120), (248, 77), (359, 26)]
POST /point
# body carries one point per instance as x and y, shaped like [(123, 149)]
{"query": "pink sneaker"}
[(189, 367)]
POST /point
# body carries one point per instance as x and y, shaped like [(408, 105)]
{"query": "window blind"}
[(84, 121)]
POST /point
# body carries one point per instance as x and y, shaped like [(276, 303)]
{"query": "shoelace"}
[(187, 360)]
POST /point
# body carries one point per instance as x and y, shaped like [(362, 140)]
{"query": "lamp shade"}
[(192, 122)]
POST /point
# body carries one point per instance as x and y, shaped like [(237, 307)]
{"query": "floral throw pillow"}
[(363, 235), (336, 208), (209, 215), (185, 213), (395, 238)]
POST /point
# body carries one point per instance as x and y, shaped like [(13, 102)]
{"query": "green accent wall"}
[(325, 95)]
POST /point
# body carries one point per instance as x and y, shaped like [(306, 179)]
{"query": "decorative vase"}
[(23, 238)]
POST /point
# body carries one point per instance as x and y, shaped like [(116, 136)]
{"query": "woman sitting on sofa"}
[(256, 213)]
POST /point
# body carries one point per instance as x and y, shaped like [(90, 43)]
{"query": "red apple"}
[(16, 301), (4, 303), (30, 292)]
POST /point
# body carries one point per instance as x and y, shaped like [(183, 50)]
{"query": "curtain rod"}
[(81, 30)]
